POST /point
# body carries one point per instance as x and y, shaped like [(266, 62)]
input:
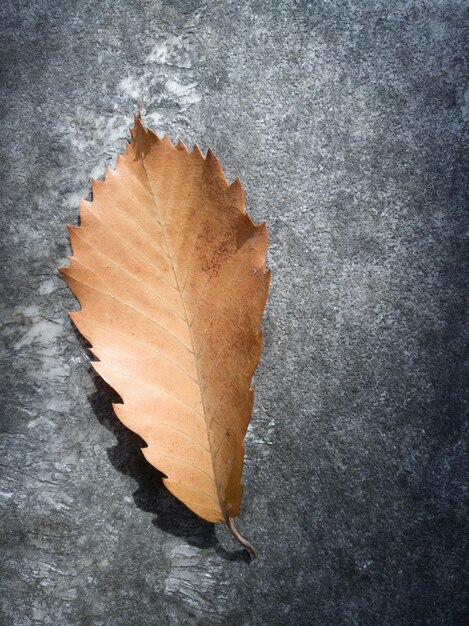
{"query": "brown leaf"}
[(170, 274)]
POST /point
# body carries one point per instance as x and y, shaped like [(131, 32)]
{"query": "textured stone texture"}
[(347, 123)]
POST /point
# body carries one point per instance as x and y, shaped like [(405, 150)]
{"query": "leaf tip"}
[(235, 195), (73, 316), (215, 168), (166, 141), (138, 124), (197, 153), (96, 186), (182, 146)]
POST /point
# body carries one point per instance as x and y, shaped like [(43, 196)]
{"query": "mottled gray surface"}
[(348, 125)]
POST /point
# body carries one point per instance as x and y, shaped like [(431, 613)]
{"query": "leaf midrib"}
[(204, 410)]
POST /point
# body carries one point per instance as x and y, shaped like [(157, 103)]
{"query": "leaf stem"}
[(242, 540)]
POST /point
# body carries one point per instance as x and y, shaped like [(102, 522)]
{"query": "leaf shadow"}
[(151, 496)]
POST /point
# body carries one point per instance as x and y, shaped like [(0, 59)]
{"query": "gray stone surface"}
[(347, 123)]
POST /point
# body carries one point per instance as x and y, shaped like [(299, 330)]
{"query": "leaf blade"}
[(170, 274)]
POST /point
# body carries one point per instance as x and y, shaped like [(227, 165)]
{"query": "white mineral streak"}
[(192, 581)]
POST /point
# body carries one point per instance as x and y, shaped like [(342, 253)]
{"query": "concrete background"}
[(348, 125)]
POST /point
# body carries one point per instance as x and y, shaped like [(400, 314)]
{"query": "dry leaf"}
[(170, 274)]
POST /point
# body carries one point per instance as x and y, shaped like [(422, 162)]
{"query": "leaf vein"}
[(133, 309), (216, 312), (152, 384), (128, 245), (152, 419), (126, 271)]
